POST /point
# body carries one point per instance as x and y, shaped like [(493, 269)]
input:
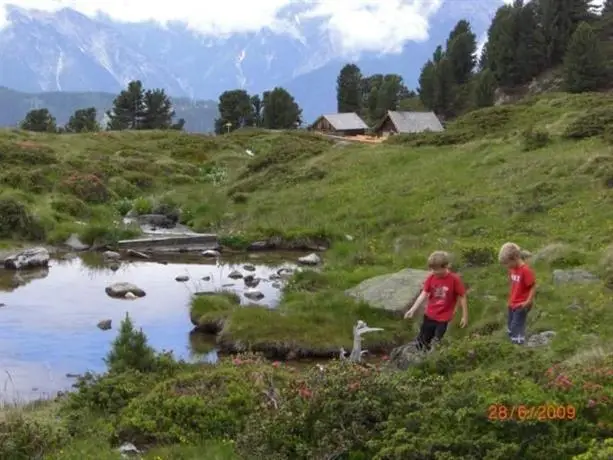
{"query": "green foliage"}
[(70, 205), (88, 187), (484, 89), (39, 120), (16, 220), (591, 124), (23, 438), (349, 90), (235, 111), (130, 350), (585, 67), (83, 121), (280, 110), (534, 139)]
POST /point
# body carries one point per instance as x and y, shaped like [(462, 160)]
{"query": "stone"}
[(37, 257), (235, 275), (156, 220), (249, 267), (2, 305), (253, 294), (574, 275), (211, 253), (74, 243), (311, 259), (140, 255), (114, 266), (277, 285), (182, 278), (119, 290), (541, 339), (559, 254), (111, 255), (394, 292), (406, 356), (206, 278), (128, 449), (251, 281), (104, 325), (130, 296)]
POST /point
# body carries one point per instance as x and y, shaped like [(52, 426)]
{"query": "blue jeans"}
[(516, 324)]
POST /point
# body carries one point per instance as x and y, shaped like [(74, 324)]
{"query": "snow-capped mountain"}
[(68, 51)]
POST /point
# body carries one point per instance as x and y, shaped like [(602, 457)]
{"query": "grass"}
[(537, 173)]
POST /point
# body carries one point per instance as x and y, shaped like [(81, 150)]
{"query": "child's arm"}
[(416, 304), (464, 306)]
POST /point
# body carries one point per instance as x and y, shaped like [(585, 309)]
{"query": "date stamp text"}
[(539, 413)]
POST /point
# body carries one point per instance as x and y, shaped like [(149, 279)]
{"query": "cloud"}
[(354, 25)]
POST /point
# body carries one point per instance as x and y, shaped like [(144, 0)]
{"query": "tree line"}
[(525, 39), (133, 108)]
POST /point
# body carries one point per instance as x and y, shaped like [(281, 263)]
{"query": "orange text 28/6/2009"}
[(528, 412)]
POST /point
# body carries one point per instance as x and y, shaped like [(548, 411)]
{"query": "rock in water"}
[(111, 255), (393, 292), (105, 324), (74, 243), (235, 274), (182, 278), (119, 290), (30, 258), (311, 259), (211, 253), (253, 294)]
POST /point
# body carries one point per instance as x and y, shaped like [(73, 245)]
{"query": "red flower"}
[(305, 393), (276, 364), (385, 358)]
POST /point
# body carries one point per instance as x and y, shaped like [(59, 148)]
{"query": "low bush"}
[(87, 187), (24, 438), (70, 205), (594, 123), (534, 139), (16, 220)]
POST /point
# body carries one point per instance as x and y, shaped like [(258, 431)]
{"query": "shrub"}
[(22, 438), (87, 187), (26, 153), (29, 180), (534, 139), (212, 402), (123, 206), (591, 124), (122, 188), (97, 233), (143, 206), (140, 180), (70, 205), (17, 221), (431, 138), (478, 256), (130, 350)]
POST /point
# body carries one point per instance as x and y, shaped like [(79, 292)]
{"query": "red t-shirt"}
[(522, 280), (443, 293)]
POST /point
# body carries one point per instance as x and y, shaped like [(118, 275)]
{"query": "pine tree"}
[(348, 89), (484, 90), (158, 111), (461, 49), (128, 109), (426, 84), (502, 46), (83, 121), (235, 111), (585, 67), (280, 110), (130, 350), (39, 120)]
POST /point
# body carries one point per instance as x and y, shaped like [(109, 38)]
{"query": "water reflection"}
[(48, 322)]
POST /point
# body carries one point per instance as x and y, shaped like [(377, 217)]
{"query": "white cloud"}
[(356, 25)]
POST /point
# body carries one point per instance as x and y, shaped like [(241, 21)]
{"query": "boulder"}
[(394, 292), (541, 339), (253, 294), (311, 259), (156, 220), (30, 258), (119, 290), (104, 325), (575, 275), (182, 278), (111, 255), (406, 356), (251, 281), (74, 243), (249, 267), (235, 275), (211, 253)]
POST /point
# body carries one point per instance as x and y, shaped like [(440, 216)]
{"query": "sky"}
[(358, 25)]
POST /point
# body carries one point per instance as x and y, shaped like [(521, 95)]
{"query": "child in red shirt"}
[(522, 288), (443, 289)]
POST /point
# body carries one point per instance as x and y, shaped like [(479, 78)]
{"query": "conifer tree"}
[(585, 67)]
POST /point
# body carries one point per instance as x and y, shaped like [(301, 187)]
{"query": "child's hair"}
[(438, 259), (509, 252)]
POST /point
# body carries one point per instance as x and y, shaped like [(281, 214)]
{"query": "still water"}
[(48, 324)]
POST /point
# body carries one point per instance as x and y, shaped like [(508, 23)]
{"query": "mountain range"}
[(66, 51)]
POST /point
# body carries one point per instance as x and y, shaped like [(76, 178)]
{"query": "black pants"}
[(430, 329)]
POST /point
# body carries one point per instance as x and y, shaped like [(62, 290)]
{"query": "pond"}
[(48, 319)]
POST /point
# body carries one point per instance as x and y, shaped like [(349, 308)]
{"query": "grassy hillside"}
[(539, 173), (199, 115)]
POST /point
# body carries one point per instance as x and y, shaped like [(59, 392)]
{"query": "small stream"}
[(48, 319)]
